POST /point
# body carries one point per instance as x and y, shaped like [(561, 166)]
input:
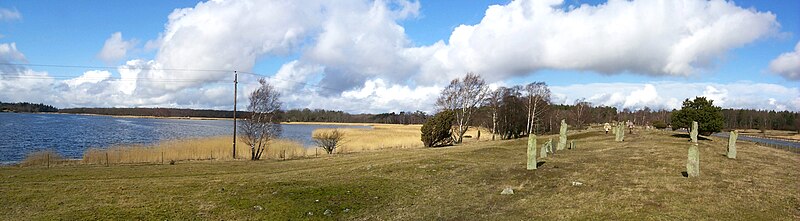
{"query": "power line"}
[(146, 78), (118, 67), (293, 81), (24, 77)]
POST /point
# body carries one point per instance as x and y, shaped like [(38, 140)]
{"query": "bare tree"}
[(463, 96), (581, 111), (263, 124), (493, 100), (328, 139), (538, 98)]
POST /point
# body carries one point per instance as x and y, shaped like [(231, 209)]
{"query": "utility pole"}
[(235, 88)]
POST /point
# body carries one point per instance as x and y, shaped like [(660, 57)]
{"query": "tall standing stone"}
[(693, 162), (562, 138), (532, 152), (694, 131), (619, 132), (550, 146), (732, 144)]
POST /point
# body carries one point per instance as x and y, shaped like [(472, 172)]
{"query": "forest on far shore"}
[(583, 113)]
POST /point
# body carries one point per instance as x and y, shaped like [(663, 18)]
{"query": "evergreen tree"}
[(702, 110)]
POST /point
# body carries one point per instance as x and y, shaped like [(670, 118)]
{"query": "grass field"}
[(639, 179)]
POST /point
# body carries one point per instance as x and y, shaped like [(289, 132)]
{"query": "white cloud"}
[(89, 77), (10, 54), (374, 96), (115, 48), (643, 37), (670, 95), (9, 14), (787, 64), (18, 83), (294, 75)]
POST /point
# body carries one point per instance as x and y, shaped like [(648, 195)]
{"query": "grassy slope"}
[(638, 179)]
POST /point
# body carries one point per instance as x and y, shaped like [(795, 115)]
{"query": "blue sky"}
[(74, 33)]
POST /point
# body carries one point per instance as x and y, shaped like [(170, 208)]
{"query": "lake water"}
[(70, 135)]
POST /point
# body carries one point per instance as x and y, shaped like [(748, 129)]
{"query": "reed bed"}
[(212, 148), (43, 158), (380, 136)]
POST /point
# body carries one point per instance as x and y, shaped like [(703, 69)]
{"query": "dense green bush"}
[(702, 110), (436, 130), (659, 124)]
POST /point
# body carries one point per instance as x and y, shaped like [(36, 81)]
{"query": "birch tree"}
[(538, 98), (493, 101), (463, 96), (263, 124)]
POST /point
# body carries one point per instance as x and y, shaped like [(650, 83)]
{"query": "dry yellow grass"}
[(43, 158), (212, 148), (392, 136), (381, 136)]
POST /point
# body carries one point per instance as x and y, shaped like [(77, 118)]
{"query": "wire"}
[(148, 79), (119, 67), (113, 79), (299, 82)]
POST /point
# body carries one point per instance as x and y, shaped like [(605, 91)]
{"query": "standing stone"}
[(693, 133), (550, 146), (543, 151), (532, 152), (572, 144), (732, 144), (621, 132), (693, 162), (562, 138)]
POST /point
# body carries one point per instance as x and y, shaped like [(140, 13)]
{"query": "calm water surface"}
[(70, 135)]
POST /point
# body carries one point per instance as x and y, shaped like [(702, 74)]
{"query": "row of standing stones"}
[(692, 165), (547, 147), (693, 161)]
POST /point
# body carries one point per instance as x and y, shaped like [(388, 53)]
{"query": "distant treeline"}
[(26, 107), (155, 112), (299, 115), (580, 114), (761, 119), (733, 118), (319, 115)]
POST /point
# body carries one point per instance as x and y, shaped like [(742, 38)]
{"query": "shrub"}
[(436, 130), (328, 139), (659, 124)]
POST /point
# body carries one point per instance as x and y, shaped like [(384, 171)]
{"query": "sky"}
[(396, 55)]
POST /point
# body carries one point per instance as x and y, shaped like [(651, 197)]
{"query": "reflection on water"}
[(70, 135)]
